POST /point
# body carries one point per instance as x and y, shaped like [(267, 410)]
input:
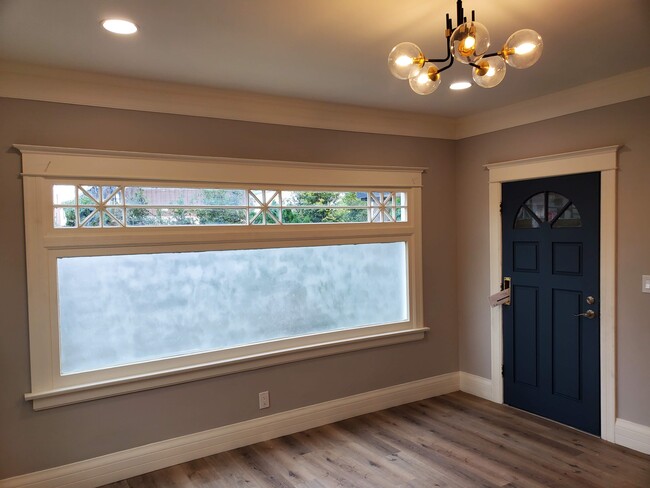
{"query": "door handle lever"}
[(590, 314)]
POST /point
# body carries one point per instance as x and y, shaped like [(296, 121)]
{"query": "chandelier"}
[(468, 44)]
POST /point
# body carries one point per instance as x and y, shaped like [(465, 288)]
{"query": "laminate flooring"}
[(455, 440)]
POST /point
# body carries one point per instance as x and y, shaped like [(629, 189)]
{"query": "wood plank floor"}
[(455, 440)]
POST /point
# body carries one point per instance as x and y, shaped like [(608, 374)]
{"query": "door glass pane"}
[(124, 309), (537, 205), (525, 220), (569, 218), (556, 203)]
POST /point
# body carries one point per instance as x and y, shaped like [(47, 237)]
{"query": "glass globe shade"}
[(469, 42), (523, 48), (490, 72), (405, 60), (426, 80)]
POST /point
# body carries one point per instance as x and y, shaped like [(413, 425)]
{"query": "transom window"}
[(148, 270), (555, 209), (138, 206)]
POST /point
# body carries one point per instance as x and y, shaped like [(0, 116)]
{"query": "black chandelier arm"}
[(491, 55), (442, 60), (446, 67), (460, 15)]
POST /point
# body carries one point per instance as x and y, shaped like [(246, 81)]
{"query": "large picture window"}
[(149, 270)]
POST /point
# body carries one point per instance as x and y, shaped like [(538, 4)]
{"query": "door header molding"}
[(575, 162)]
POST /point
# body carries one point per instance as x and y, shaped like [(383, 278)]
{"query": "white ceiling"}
[(326, 50)]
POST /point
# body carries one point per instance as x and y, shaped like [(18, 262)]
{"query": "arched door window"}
[(547, 207)]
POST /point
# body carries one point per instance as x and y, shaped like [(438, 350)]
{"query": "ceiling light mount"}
[(467, 43), (120, 26)]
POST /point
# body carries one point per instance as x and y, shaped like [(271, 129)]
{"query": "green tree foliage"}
[(213, 216), (139, 216), (329, 212), (86, 207)]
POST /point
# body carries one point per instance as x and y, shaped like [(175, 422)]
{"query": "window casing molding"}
[(46, 166)]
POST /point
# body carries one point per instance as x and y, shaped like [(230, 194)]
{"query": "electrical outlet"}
[(645, 284), (264, 399)]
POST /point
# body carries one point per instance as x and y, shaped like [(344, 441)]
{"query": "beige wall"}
[(627, 124), (31, 441), (455, 249)]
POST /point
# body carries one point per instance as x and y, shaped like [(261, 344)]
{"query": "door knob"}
[(590, 314)]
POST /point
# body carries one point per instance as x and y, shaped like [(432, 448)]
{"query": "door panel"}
[(551, 237), (526, 313)]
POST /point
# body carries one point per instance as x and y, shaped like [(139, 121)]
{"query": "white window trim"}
[(603, 160), (45, 166)]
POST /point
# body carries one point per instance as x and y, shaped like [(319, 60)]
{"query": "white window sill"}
[(92, 391)]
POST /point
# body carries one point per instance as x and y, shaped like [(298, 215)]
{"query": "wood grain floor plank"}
[(513, 451), (452, 441)]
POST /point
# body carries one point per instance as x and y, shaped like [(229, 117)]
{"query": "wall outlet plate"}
[(645, 284), (264, 399)]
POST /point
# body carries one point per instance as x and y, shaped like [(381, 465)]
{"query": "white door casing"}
[(603, 160)]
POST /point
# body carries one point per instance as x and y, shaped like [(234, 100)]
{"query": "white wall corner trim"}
[(139, 460), (476, 385), (616, 89), (603, 160), (634, 436), (31, 82)]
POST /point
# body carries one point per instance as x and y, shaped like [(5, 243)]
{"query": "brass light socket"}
[(483, 68), (433, 74), (506, 51)]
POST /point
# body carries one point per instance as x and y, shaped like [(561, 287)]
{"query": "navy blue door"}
[(551, 330)]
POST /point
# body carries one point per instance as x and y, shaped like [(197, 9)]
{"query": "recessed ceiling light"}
[(119, 26), (460, 85)]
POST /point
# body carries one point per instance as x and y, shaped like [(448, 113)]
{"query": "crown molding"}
[(32, 82), (616, 89)]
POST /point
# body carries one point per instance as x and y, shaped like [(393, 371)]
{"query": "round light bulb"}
[(426, 80), (490, 72), (119, 26), (523, 49), (469, 42), (405, 60)]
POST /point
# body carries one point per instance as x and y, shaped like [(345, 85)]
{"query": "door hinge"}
[(500, 207), (502, 370)]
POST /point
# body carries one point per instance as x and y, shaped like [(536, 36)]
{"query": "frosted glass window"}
[(125, 309)]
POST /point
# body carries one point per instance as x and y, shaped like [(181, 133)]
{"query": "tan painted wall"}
[(627, 124), (31, 441)]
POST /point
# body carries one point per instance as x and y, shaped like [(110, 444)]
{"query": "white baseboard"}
[(139, 460), (476, 385), (634, 436)]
